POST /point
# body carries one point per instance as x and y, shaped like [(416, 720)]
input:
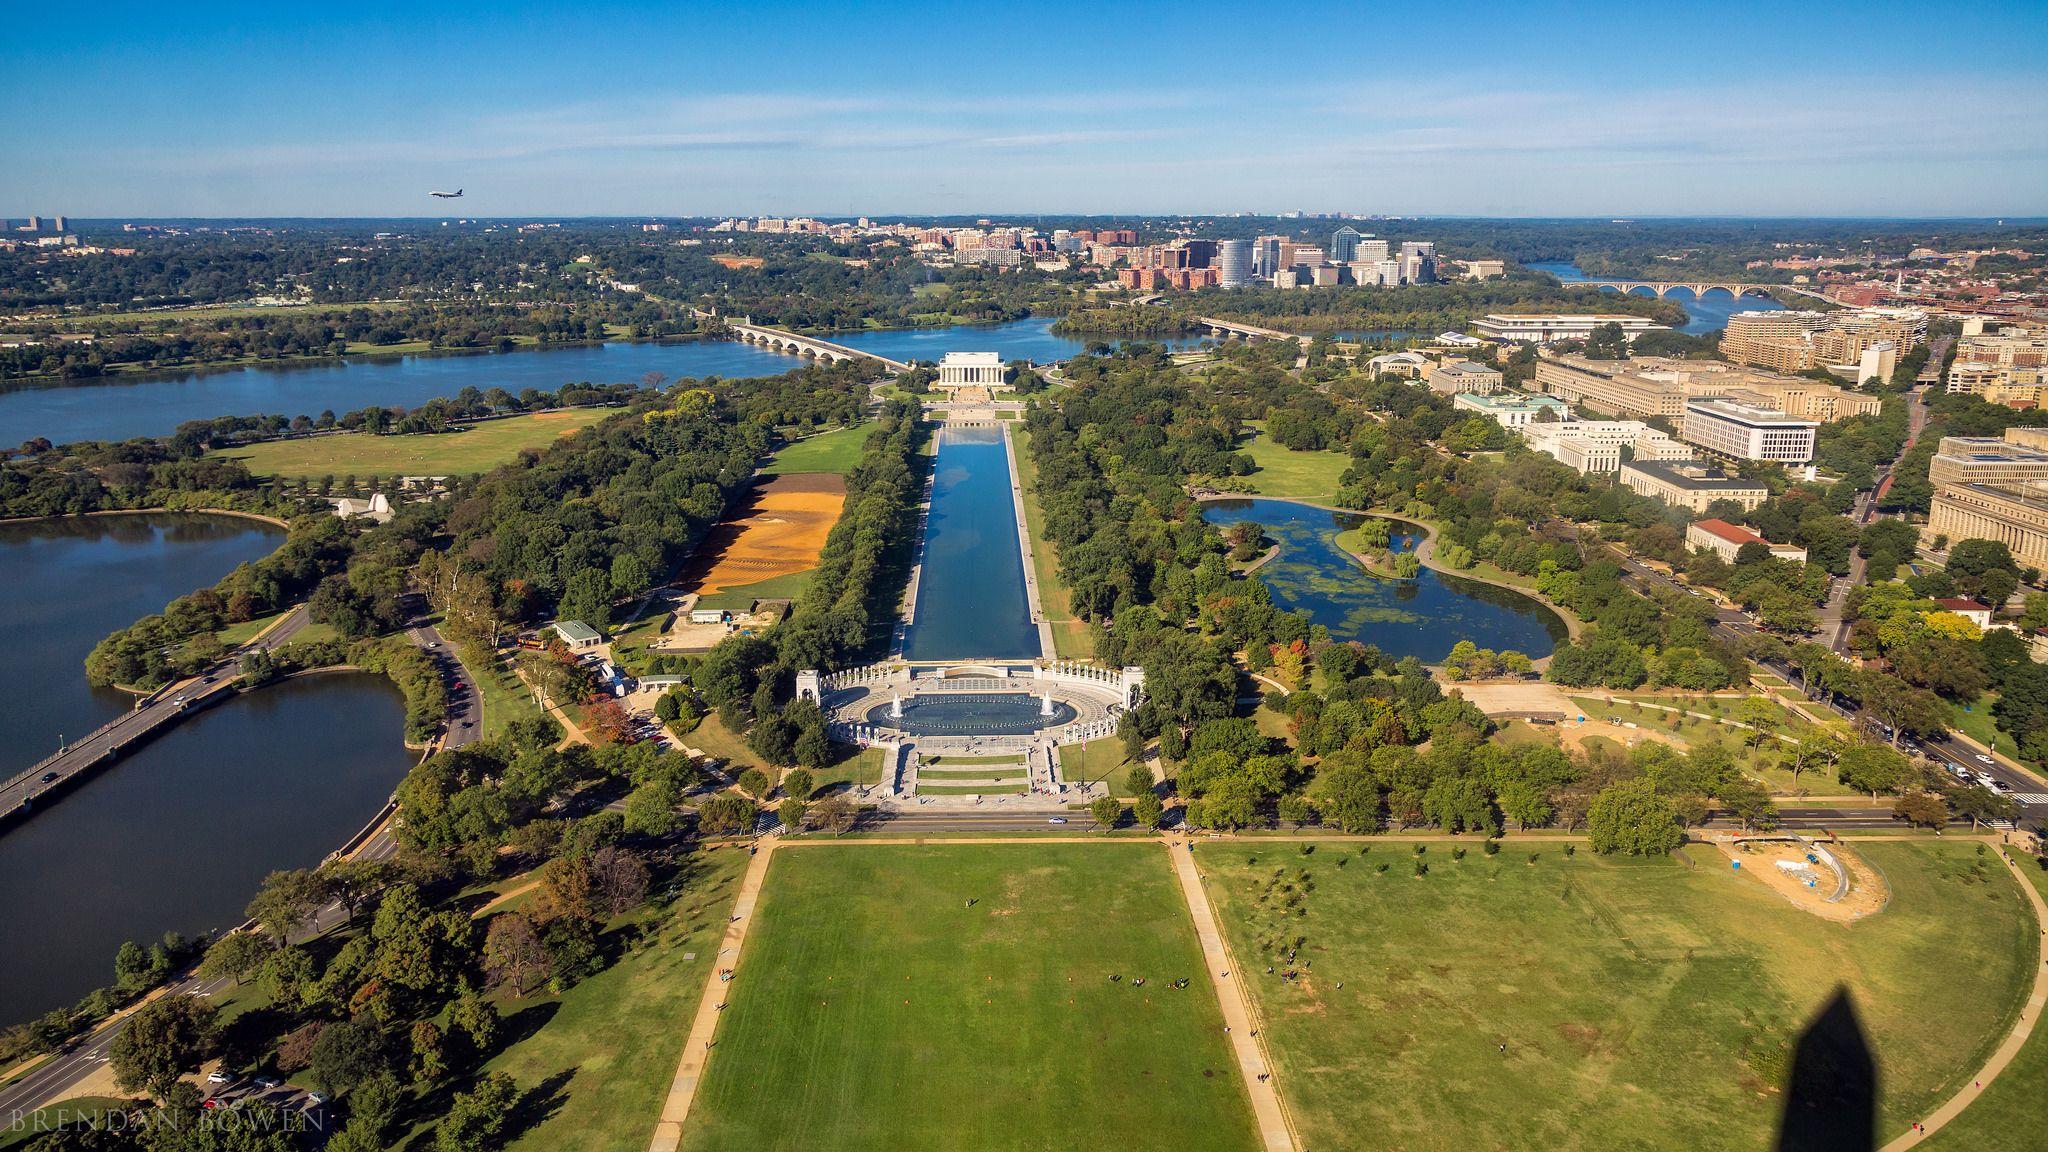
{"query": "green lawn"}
[(1292, 475), (609, 1046), (940, 775), (477, 449), (712, 739), (1101, 760), (740, 598), (899, 997), (836, 451), (504, 696), (1978, 725), (855, 766), (1817, 779), (1644, 1004), (2008, 1116), (1071, 639)]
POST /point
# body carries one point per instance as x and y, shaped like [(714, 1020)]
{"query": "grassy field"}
[(2008, 1116), (836, 452), (854, 1024), (741, 598), (1070, 637), (1101, 759), (1816, 780), (1978, 724), (712, 739), (478, 449), (1291, 475), (1643, 1004), (604, 1053)]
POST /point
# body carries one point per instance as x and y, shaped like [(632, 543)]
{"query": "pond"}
[(1422, 617), (972, 714)]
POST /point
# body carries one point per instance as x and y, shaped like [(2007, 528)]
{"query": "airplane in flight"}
[(447, 195)]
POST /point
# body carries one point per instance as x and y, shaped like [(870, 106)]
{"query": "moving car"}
[(1057, 820)]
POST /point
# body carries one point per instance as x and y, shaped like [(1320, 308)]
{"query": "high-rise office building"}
[(1418, 261), (1371, 251), (1266, 255), (1344, 244), (1234, 263)]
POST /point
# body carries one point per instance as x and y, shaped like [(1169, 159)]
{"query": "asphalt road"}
[(465, 705), (113, 737)]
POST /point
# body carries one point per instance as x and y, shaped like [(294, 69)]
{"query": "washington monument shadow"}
[(1831, 1094)]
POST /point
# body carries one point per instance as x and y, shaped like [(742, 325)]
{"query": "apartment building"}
[(1692, 486), (1739, 430), (1792, 341), (2010, 367)]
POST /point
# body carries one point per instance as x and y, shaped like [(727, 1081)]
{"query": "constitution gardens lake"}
[(177, 835), (1421, 617), (153, 404), (1707, 313)]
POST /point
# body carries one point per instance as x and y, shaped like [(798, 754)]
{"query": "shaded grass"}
[(888, 1012), (741, 598), (1100, 760), (1644, 1004)]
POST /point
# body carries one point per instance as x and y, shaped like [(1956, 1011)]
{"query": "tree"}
[(238, 955), (651, 809), (725, 815), (512, 953), (836, 814), (798, 784), (1106, 810), (476, 1120), (347, 1054), (1748, 802), (1980, 804), (1147, 809), (1874, 768), (163, 1040), (1631, 818), (792, 813), (618, 879), (1920, 809), (754, 782), (285, 900)]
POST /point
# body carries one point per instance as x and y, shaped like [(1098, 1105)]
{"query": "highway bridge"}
[(1242, 331), (151, 715), (809, 347)]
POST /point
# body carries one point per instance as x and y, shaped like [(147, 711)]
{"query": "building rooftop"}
[(1698, 477), (1729, 408), (576, 631), (1733, 533), (1952, 604), (1509, 401), (972, 359)]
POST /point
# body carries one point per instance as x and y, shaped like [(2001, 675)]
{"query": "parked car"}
[(219, 1076)]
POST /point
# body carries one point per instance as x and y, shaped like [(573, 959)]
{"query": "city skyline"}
[(1477, 110)]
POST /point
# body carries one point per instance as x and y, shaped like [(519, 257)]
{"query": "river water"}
[(1423, 617), (177, 835), (971, 600), (1706, 314), (120, 407)]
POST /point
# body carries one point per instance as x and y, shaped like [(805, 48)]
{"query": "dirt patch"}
[(729, 260), (778, 530), (1809, 874)]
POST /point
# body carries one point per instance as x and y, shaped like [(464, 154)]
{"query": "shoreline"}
[(1425, 552), (157, 511)]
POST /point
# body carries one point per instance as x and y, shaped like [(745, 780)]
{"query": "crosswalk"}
[(2031, 798)]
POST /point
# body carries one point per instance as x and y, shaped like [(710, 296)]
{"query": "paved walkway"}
[(2022, 1028), (1275, 1133), (682, 1091)]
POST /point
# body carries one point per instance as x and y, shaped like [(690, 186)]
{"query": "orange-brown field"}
[(732, 260), (778, 531)]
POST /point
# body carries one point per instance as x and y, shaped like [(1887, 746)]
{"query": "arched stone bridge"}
[(809, 347), (1698, 288)]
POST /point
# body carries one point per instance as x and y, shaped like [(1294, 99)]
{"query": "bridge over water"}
[(1698, 288), (809, 347)]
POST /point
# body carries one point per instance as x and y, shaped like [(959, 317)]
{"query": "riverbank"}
[(156, 511)]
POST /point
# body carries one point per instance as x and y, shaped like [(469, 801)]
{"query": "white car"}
[(1987, 779), (218, 1076), (1057, 820), (1983, 759)]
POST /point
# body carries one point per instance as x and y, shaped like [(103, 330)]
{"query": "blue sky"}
[(624, 109)]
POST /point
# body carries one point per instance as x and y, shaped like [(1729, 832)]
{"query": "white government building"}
[(973, 370)]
